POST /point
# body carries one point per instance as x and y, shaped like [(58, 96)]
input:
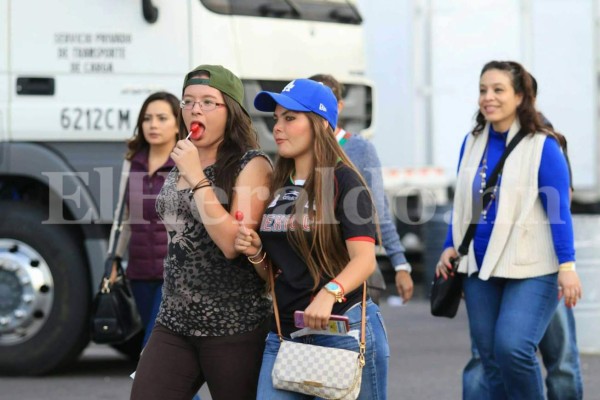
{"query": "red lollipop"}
[(239, 216), (195, 131)]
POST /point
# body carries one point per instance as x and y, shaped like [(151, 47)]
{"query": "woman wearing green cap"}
[(213, 317), (318, 232)]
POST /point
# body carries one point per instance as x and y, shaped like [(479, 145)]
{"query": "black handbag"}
[(446, 293), (115, 318)]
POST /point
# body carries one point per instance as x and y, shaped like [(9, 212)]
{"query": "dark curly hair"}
[(523, 84)]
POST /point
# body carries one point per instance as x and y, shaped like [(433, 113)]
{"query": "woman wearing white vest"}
[(522, 258)]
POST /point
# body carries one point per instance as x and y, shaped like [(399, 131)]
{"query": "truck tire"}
[(44, 292)]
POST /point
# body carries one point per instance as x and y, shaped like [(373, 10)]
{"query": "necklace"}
[(483, 176), (483, 170)]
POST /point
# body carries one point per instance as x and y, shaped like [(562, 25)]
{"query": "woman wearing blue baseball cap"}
[(318, 232)]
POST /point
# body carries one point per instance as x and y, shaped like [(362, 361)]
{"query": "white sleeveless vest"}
[(521, 243)]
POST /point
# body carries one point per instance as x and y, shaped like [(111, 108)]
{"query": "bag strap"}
[(363, 342), (118, 229), (463, 249)]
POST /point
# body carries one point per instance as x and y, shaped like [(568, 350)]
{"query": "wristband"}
[(340, 285), (200, 187), (336, 290), (568, 266), (403, 267), (201, 184)]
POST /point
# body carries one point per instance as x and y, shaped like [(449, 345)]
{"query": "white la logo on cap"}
[(288, 87), (322, 107)]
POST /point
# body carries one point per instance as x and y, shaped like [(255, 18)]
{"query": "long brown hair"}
[(138, 141), (522, 84), (325, 254), (239, 137)]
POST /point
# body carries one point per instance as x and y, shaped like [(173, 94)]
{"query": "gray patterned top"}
[(204, 293)]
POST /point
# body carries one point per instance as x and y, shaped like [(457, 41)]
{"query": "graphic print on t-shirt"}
[(279, 219)]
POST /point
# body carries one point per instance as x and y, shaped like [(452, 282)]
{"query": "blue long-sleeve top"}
[(364, 156), (553, 177)]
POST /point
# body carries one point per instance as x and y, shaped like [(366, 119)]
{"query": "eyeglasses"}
[(205, 105)]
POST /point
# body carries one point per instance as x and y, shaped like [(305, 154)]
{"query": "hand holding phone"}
[(336, 323)]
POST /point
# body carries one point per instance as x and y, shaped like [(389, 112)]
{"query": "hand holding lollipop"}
[(247, 239)]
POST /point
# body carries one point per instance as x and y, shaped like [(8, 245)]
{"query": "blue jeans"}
[(507, 319), (374, 374), (473, 378), (148, 295), (560, 355)]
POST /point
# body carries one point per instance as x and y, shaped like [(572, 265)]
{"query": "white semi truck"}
[(73, 75)]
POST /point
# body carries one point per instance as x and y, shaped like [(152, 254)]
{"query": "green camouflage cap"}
[(219, 78)]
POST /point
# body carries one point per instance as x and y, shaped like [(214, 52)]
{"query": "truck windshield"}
[(339, 11)]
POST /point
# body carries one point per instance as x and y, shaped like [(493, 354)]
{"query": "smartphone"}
[(337, 323)]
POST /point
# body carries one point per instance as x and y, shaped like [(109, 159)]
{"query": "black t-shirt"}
[(293, 286)]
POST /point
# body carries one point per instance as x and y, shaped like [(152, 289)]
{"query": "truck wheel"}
[(44, 293)]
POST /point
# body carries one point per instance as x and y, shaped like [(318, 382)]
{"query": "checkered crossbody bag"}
[(324, 372)]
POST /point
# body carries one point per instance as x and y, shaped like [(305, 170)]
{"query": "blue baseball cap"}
[(303, 95)]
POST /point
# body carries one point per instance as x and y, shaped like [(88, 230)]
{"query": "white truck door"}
[(81, 69)]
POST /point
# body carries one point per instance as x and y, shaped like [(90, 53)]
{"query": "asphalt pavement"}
[(427, 357)]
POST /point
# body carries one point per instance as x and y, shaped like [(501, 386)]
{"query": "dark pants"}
[(174, 367)]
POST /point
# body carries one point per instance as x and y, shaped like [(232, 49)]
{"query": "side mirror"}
[(149, 11)]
